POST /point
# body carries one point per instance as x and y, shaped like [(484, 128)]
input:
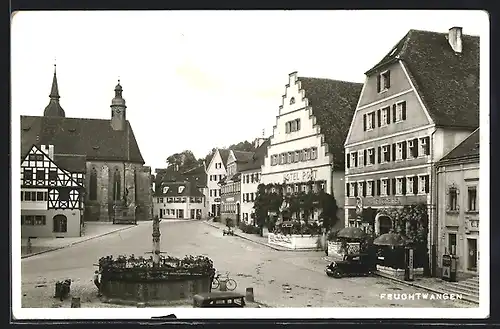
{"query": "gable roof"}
[(94, 138), (333, 104), (257, 159), (190, 189), (71, 163), (447, 82), (242, 156), (468, 149), (197, 175)]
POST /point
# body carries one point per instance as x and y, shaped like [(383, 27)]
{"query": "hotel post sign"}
[(300, 176)]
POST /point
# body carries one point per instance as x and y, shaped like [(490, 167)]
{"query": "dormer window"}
[(181, 189), (292, 100), (384, 81)]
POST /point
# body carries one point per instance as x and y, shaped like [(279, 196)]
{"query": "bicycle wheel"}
[(215, 283), (231, 284)]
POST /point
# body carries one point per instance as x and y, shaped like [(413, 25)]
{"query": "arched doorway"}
[(383, 224), (60, 224)]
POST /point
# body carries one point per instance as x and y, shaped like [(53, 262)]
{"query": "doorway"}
[(385, 224), (214, 210), (472, 254), (192, 213)]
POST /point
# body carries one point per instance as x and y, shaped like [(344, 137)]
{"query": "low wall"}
[(294, 241), (398, 273), (172, 289), (335, 248)]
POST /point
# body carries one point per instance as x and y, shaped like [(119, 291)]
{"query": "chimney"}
[(49, 150), (455, 38)]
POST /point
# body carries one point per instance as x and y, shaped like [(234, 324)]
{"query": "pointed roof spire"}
[(54, 109), (54, 92)]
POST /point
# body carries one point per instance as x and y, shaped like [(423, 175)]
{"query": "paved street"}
[(279, 278)]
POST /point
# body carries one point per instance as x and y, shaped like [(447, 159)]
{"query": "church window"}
[(116, 185), (93, 185)]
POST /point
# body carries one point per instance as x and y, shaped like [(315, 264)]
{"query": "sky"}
[(194, 80)]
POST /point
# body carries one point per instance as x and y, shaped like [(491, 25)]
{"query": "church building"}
[(115, 173)]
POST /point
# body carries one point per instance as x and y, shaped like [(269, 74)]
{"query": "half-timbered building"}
[(52, 197)]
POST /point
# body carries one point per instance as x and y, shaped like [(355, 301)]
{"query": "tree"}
[(329, 209), (182, 161)]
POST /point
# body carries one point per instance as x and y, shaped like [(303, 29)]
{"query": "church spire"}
[(54, 92), (54, 109)]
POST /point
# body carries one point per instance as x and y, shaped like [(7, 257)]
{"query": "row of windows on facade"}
[(382, 117), (179, 200), (36, 196), (292, 126), (231, 188), (229, 208), (249, 197), (215, 192), (43, 175), (304, 187), (179, 213), (404, 150), (60, 222), (215, 178), (453, 199), (295, 156), (397, 186), (63, 194), (251, 178)]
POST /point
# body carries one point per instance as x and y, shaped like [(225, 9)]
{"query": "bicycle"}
[(230, 283)]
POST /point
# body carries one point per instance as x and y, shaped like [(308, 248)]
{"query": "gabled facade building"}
[(52, 196), (216, 171), (231, 186), (418, 103), (251, 172), (115, 169), (178, 200), (307, 141), (457, 202)]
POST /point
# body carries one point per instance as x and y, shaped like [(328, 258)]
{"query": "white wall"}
[(246, 206), (44, 231), (212, 185)]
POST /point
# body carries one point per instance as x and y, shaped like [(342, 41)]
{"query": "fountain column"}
[(156, 241)]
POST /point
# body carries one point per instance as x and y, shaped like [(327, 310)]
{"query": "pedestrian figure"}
[(97, 283)]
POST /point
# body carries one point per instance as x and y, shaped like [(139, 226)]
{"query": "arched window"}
[(60, 224), (292, 101), (385, 224), (93, 185), (116, 185)]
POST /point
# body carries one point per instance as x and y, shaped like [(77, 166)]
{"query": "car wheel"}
[(337, 273)]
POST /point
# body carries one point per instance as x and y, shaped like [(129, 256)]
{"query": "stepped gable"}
[(333, 104)]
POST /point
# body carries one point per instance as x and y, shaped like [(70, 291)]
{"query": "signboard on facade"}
[(300, 176), (217, 200), (383, 201), (231, 199)]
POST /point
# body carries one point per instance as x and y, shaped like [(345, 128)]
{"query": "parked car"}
[(351, 265), (219, 299)]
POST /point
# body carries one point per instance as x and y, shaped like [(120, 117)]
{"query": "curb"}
[(416, 285), (262, 243), (77, 242)]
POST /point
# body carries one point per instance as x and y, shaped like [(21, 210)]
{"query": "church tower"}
[(118, 109), (54, 109)]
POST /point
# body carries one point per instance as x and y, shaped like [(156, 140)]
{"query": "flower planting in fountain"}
[(143, 269)]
